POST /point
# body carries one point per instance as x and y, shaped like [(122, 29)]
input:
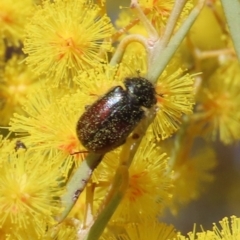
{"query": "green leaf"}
[(232, 13)]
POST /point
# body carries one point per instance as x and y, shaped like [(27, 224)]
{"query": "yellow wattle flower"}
[(97, 81), (71, 34), (149, 184), (124, 18), (198, 169), (158, 11), (175, 97), (147, 228), (2, 52), (208, 235), (219, 102), (68, 229), (49, 124), (29, 194), (229, 228), (13, 19), (16, 81)]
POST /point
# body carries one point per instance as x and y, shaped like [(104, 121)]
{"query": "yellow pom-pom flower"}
[(219, 102), (68, 230), (158, 11), (175, 97), (13, 18), (149, 184), (51, 116), (229, 230), (2, 51), (208, 235), (29, 193), (6, 147), (49, 123), (148, 228), (16, 81), (191, 175), (65, 37)]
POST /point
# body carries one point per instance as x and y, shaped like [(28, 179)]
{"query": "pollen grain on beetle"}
[(71, 34)]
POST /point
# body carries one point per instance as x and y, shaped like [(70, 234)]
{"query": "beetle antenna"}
[(79, 152)]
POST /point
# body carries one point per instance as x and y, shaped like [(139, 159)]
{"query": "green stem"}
[(171, 23), (152, 32), (117, 57), (161, 57), (78, 182), (89, 204), (119, 188)]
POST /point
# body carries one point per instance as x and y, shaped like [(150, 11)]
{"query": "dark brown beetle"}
[(107, 123)]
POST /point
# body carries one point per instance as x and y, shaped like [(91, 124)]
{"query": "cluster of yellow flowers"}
[(57, 57)]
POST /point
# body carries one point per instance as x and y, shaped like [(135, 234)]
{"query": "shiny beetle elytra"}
[(107, 123)]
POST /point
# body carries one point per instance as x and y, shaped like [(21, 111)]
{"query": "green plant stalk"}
[(161, 57), (117, 57), (232, 13), (120, 186), (78, 182), (152, 32), (171, 24)]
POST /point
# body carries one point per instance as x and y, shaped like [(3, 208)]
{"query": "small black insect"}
[(107, 123), (19, 144)]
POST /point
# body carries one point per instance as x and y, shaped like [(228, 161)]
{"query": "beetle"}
[(106, 124), (20, 145)]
